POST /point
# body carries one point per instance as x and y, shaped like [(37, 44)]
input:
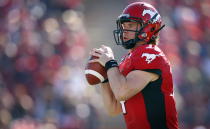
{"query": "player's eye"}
[(131, 25)]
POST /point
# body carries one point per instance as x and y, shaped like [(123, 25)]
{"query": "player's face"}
[(132, 26)]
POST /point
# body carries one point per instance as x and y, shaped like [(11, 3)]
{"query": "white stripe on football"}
[(95, 73)]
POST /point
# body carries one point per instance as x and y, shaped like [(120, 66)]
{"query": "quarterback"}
[(141, 86)]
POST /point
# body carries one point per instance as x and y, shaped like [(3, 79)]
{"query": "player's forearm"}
[(112, 105), (117, 83)]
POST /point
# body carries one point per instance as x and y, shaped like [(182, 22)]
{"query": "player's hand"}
[(104, 54)]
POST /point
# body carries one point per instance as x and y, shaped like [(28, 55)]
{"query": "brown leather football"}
[(95, 73)]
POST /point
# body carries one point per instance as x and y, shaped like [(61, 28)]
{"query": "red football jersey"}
[(154, 106)]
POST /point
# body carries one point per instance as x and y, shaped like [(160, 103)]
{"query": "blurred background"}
[(44, 45)]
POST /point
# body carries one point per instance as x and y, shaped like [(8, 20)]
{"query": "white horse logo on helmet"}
[(149, 57), (151, 13)]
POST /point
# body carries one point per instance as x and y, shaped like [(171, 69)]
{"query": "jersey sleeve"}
[(148, 60)]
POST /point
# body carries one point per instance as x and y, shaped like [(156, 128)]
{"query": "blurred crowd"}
[(42, 51), (42, 47)]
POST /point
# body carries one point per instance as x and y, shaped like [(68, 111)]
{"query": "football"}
[(95, 73)]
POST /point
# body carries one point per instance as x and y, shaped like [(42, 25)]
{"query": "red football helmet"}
[(145, 15)]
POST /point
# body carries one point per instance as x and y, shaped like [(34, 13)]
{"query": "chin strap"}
[(153, 37), (159, 29)]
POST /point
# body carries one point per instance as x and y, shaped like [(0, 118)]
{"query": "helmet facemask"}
[(118, 33)]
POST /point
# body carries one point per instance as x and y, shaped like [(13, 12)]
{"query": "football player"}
[(141, 85)]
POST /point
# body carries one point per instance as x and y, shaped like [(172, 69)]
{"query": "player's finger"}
[(93, 61), (105, 48), (95, 54), (95, 51), (99, 51)]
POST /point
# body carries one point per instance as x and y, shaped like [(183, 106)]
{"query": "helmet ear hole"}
[(144, 35), (152, 29)]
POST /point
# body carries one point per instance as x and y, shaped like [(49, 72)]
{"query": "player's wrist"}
[(110, 64)]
